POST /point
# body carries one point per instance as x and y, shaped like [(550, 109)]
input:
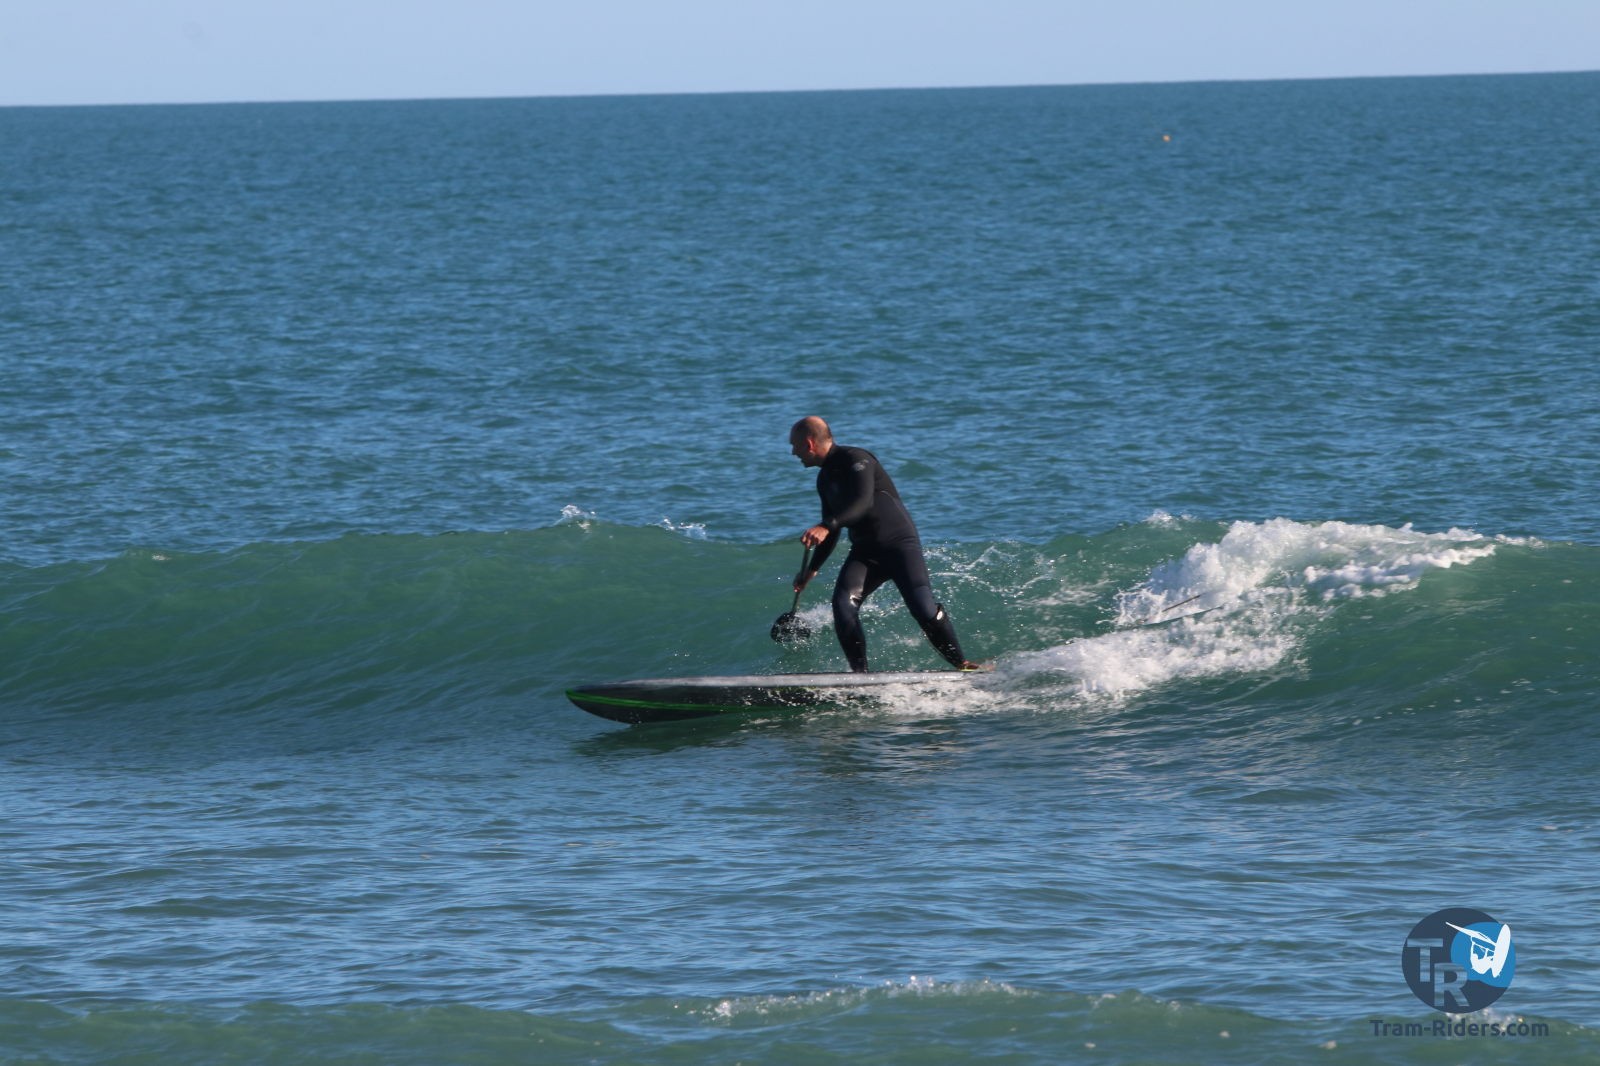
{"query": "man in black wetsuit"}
[(857, 495)]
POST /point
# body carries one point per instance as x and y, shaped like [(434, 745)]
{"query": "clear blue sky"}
[(147, 51)]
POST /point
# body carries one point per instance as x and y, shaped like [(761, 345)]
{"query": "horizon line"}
[(467, 97)]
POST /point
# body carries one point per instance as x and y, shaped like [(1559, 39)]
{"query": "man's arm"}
[(858, 485), (823, 540)]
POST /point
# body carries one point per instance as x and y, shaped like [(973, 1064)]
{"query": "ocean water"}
[(1253, 431)]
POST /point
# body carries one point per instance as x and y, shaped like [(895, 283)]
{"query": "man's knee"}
[(922, 606), (848, 597)]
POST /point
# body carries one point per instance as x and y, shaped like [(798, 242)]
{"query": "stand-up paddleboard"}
[(673, 699)]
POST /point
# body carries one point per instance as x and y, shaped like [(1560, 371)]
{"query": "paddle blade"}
[(788, 629)]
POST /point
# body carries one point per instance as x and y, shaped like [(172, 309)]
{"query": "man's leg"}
[(857, 581), (916, 588)]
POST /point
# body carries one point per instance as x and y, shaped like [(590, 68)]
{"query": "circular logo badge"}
[(1459, 960)]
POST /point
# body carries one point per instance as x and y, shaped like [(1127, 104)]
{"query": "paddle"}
[(788, 629)]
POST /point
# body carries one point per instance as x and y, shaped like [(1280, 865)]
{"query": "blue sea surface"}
[(1253, 431)]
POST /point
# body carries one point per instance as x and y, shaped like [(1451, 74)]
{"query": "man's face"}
[(803, 448)]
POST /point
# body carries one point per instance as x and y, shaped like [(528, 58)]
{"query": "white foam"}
[(572, 514), (1163, 520), (692, 530), (1328, 560), (980, 693), (764, 1007), (1132, 660), (1243, 604)]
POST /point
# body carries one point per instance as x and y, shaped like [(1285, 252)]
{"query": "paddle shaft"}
[(788, 628), (805, 564)]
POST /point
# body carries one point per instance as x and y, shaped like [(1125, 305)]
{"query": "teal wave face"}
[(1391, 620)]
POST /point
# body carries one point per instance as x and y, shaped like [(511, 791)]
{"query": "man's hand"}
[(815, 535), (802, 579)]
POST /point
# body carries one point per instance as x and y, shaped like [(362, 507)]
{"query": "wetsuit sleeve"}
[(823, 550), (857, 485)]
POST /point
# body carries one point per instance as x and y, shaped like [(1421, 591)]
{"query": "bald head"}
[(813, 428), (810, 440)]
